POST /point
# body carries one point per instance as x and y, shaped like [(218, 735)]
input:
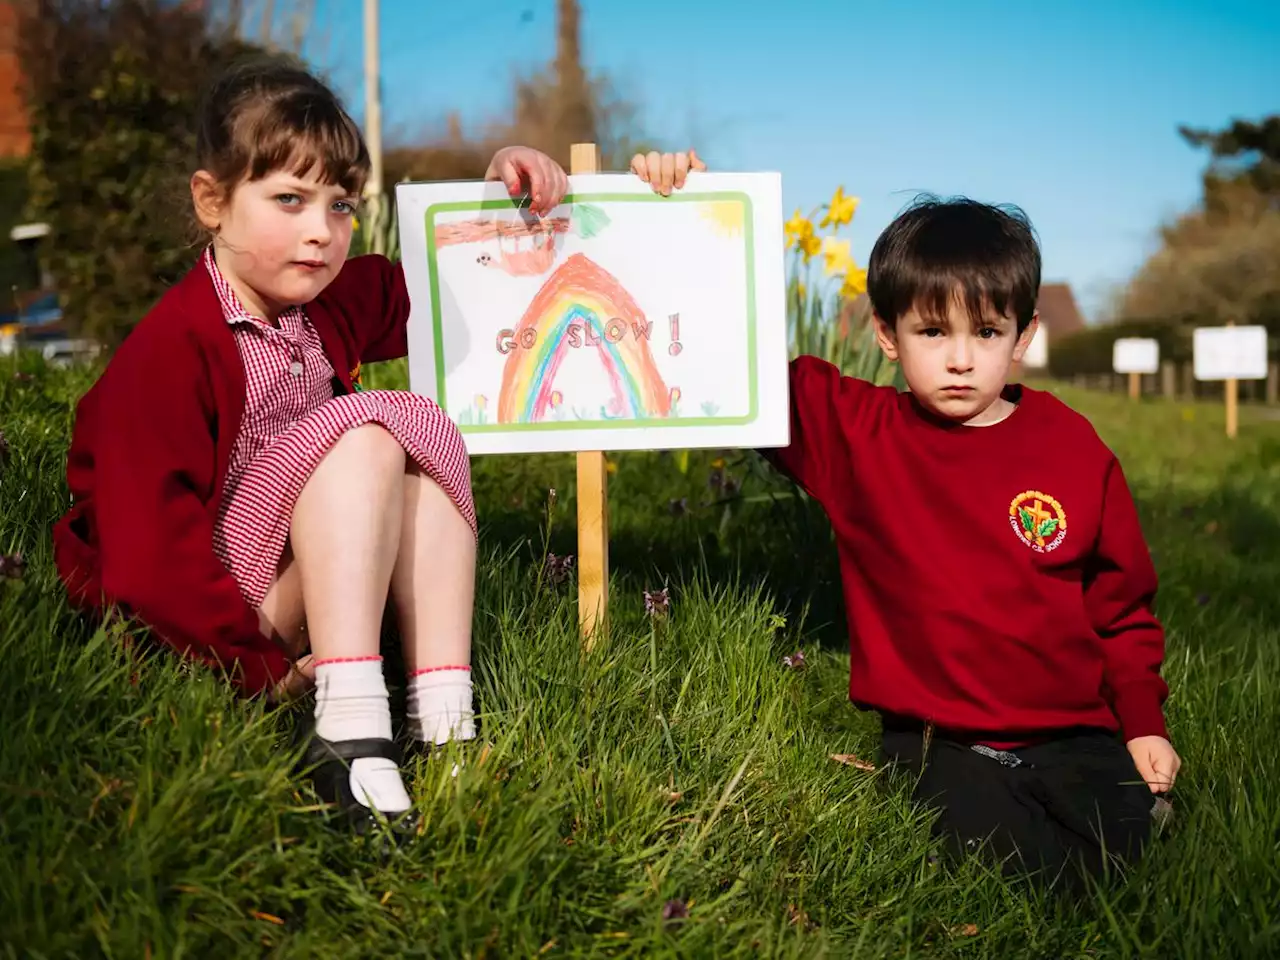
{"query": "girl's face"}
[(279, 240)]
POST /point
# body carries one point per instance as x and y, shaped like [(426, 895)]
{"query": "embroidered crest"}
[(1039, 520)]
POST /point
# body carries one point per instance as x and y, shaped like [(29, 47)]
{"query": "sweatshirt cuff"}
[(1138, 707)]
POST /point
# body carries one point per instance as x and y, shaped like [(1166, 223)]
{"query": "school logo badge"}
[(1038, 520)]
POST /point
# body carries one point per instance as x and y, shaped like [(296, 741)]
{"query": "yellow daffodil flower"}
[(798, 229), (840, 210), (837, 256), (855, 282), (809, 246)]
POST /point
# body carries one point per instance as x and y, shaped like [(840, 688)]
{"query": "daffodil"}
[(798, 229), (809, 246), (855, 282), (839, 210), (837, 255)]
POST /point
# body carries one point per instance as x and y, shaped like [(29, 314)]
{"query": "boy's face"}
[(954, 365), (282, 239)]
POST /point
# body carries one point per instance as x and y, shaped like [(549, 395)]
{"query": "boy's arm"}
[(823, 404), (1119, 590)]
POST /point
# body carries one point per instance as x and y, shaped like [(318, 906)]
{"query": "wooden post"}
[(1233, 406), (1135, 385), (1233, 402), (593, 498), (1273, 383), (374, 200), (1168, 380)]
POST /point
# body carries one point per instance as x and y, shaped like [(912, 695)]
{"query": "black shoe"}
[(328, 763)]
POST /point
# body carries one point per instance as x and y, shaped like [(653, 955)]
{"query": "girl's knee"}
[(375, 446)]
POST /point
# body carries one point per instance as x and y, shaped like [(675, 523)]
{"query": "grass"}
[(681, 767)]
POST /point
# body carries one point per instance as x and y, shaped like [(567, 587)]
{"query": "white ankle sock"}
[(439, 707), (352, 704)]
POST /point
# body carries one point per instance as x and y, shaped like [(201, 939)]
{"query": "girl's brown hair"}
[(269, 114)]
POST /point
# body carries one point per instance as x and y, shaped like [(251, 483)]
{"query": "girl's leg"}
[(433, 587), (345, 535), (282, 616)]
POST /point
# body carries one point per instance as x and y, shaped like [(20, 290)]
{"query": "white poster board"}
[(1135, 355), (1230, 353), (623, 320), (1037, 355)]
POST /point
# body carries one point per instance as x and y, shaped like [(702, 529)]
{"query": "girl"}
[(233, 488)]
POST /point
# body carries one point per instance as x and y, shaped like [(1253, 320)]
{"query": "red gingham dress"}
[(291, 419)]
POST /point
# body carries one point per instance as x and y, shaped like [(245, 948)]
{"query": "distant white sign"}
[(1230, 353), (1135, 355), (1037, 355)]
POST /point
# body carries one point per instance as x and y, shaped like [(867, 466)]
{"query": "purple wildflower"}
[(675, 909), (657, 602), (12, 567), (795, 661), (557, 569)]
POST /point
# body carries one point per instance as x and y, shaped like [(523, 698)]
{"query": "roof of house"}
[(1059, 313)]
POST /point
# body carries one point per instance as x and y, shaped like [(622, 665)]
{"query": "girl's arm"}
[(153, 462)]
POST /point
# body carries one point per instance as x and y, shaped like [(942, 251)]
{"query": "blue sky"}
[(1069, 110)]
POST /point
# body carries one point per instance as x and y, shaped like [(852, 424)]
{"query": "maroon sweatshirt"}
[(996, 579), (149, 455)]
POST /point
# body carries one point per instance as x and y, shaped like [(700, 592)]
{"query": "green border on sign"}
[(748, 228)]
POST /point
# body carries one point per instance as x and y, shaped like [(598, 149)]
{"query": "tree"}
[(1244, 152), (113, 91), (1220, 262)]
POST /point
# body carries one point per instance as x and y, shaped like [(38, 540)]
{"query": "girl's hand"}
[(297, 682), (525, 170), (665, 170)]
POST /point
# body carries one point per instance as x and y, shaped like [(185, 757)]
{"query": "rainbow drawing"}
[(582, 293)]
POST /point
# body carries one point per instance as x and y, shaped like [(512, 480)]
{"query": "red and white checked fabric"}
[(291, 419)]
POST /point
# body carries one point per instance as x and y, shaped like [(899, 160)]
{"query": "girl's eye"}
[(287, 199)]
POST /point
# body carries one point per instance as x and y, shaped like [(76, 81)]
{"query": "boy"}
[(997, 584)]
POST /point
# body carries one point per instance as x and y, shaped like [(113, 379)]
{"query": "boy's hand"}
[(1156, 760), (665, 170), (525, 170)]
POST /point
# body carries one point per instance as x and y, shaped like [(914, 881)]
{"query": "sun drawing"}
[(725, 216)]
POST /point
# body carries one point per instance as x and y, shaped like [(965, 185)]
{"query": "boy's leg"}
[(983, 806), (1099, 806)]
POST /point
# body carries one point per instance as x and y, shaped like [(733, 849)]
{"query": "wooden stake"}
[(1233, 407), (593, 494), (1135, 385), (1233, 402)]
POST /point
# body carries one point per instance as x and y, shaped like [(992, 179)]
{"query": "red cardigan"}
[(149, 455)]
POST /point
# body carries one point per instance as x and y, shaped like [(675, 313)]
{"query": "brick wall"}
[(15, 135)]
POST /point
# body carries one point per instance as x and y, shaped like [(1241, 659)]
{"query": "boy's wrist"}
[(1138, 708)]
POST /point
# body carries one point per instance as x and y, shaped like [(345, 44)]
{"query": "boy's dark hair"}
[(938, 251), (268, 113)]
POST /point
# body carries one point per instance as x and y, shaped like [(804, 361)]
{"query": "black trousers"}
[(1061, 809)]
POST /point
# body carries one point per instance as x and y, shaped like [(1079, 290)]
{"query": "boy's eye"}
[(932, 331), (344, 207), (989, 333)]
